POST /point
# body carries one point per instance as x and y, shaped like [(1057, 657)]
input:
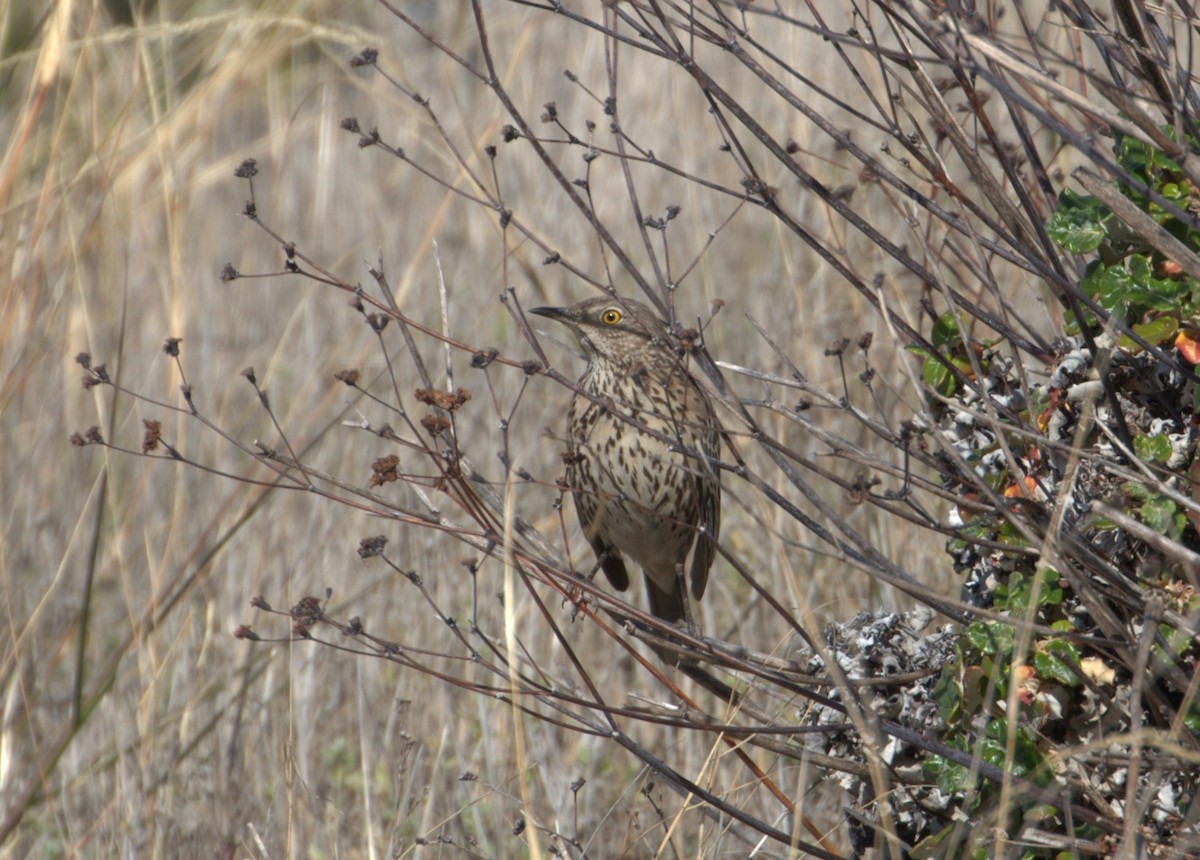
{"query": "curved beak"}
[(563, 315), (570, 318)]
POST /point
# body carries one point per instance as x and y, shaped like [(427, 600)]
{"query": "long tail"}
[(667, 605)]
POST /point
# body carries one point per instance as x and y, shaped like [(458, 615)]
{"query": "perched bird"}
[(638, 444)]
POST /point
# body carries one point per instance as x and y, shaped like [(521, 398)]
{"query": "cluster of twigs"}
[(1001, 454)]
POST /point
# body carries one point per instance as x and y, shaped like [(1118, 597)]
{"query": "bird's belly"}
[(639, 493)]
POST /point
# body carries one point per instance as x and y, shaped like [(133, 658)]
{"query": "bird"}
[(642, 439)]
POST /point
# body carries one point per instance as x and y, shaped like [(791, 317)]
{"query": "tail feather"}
[(667, 605)]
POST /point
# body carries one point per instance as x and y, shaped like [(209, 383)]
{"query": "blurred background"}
[(135, 723)]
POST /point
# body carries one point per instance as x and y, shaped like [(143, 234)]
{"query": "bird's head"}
[(614, 329)]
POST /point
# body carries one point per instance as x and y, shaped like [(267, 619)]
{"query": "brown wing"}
[(708, 492), (708, 531)]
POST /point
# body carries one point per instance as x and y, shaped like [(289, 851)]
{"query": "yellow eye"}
[(612, 316)]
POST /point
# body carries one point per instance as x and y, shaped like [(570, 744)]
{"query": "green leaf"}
[(1153, 449), (1110, 286), (1013, 595), (1049, 594), (1155, 332), (1138, 492), (1191, 718), (1159, 513), (992, 748), (950, 777), (1129, 289), (992, 751), (990, 637), (1144, 161), (1078, 222), (1173, 191), (1011, 535), (978, 690), (938, 377), (945, 331), (1177, 642), (1056, 660), (948, 694), (931, 847), (1145, 290), (1041, 812)]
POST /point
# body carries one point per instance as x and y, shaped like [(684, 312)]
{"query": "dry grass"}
[(124, 579)]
